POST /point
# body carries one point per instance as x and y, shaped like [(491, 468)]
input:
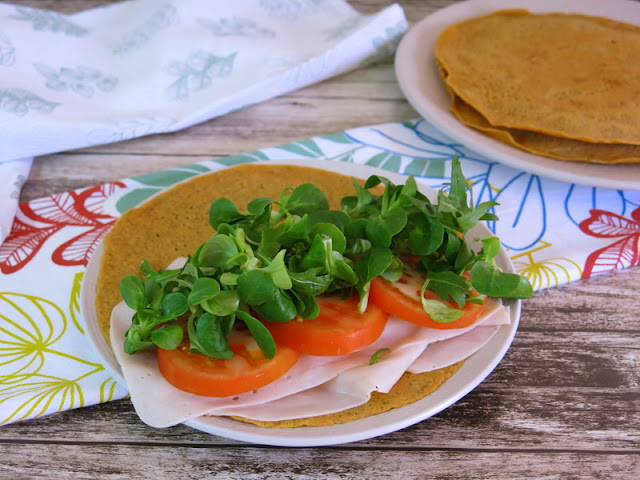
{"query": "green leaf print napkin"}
[(47, 363), (147, 66)]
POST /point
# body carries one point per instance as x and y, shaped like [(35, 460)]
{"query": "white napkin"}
[(148, 66), (13, 174)]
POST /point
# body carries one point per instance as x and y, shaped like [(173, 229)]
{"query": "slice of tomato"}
[(246, 371), (339, 328), (402, 300)]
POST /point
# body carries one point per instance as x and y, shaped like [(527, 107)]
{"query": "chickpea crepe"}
[(564, 86), (174, 223), (547, 145)]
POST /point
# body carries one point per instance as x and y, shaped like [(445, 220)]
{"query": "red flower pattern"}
[(622, 253), (39, 219)]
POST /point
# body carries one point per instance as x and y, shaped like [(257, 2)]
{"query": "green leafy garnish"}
[(376, 357), (273, 260)]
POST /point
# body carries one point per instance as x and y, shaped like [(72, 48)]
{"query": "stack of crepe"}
[(564, 86)]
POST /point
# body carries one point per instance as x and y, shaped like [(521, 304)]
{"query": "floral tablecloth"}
[(555, 233)]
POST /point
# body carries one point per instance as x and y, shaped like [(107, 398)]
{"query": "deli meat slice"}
[(315, 385)]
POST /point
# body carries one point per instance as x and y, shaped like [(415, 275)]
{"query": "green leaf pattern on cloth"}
[(118, 131), (386, 160), (198, 72), (155, 182), (236, 26), (242, 158), (387, 43), (165, 16), (20, 102), (45, 21), (305, 148), (7, 52), (81, 80)]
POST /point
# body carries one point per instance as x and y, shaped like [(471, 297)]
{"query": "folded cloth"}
[(147, 66), (13, 174), (48, 362)]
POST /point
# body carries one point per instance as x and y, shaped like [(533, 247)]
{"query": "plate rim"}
[(485, 360), (414, 70)]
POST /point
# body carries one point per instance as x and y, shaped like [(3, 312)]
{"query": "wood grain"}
[(564, 403), (246, 463)]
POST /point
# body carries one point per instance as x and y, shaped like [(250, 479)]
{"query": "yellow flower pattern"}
[(548, 272), (36, 375), (74, 300)]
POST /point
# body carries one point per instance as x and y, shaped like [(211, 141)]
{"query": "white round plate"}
[(470, 375), (417, 73)]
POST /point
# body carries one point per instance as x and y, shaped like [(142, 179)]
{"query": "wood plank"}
[(271, 123), (601, 303), (523, 419), (572, 359), (63, 461), (414, 9), (63, 172)]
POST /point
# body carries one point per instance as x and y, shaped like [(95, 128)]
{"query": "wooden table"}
[(563, 404)]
